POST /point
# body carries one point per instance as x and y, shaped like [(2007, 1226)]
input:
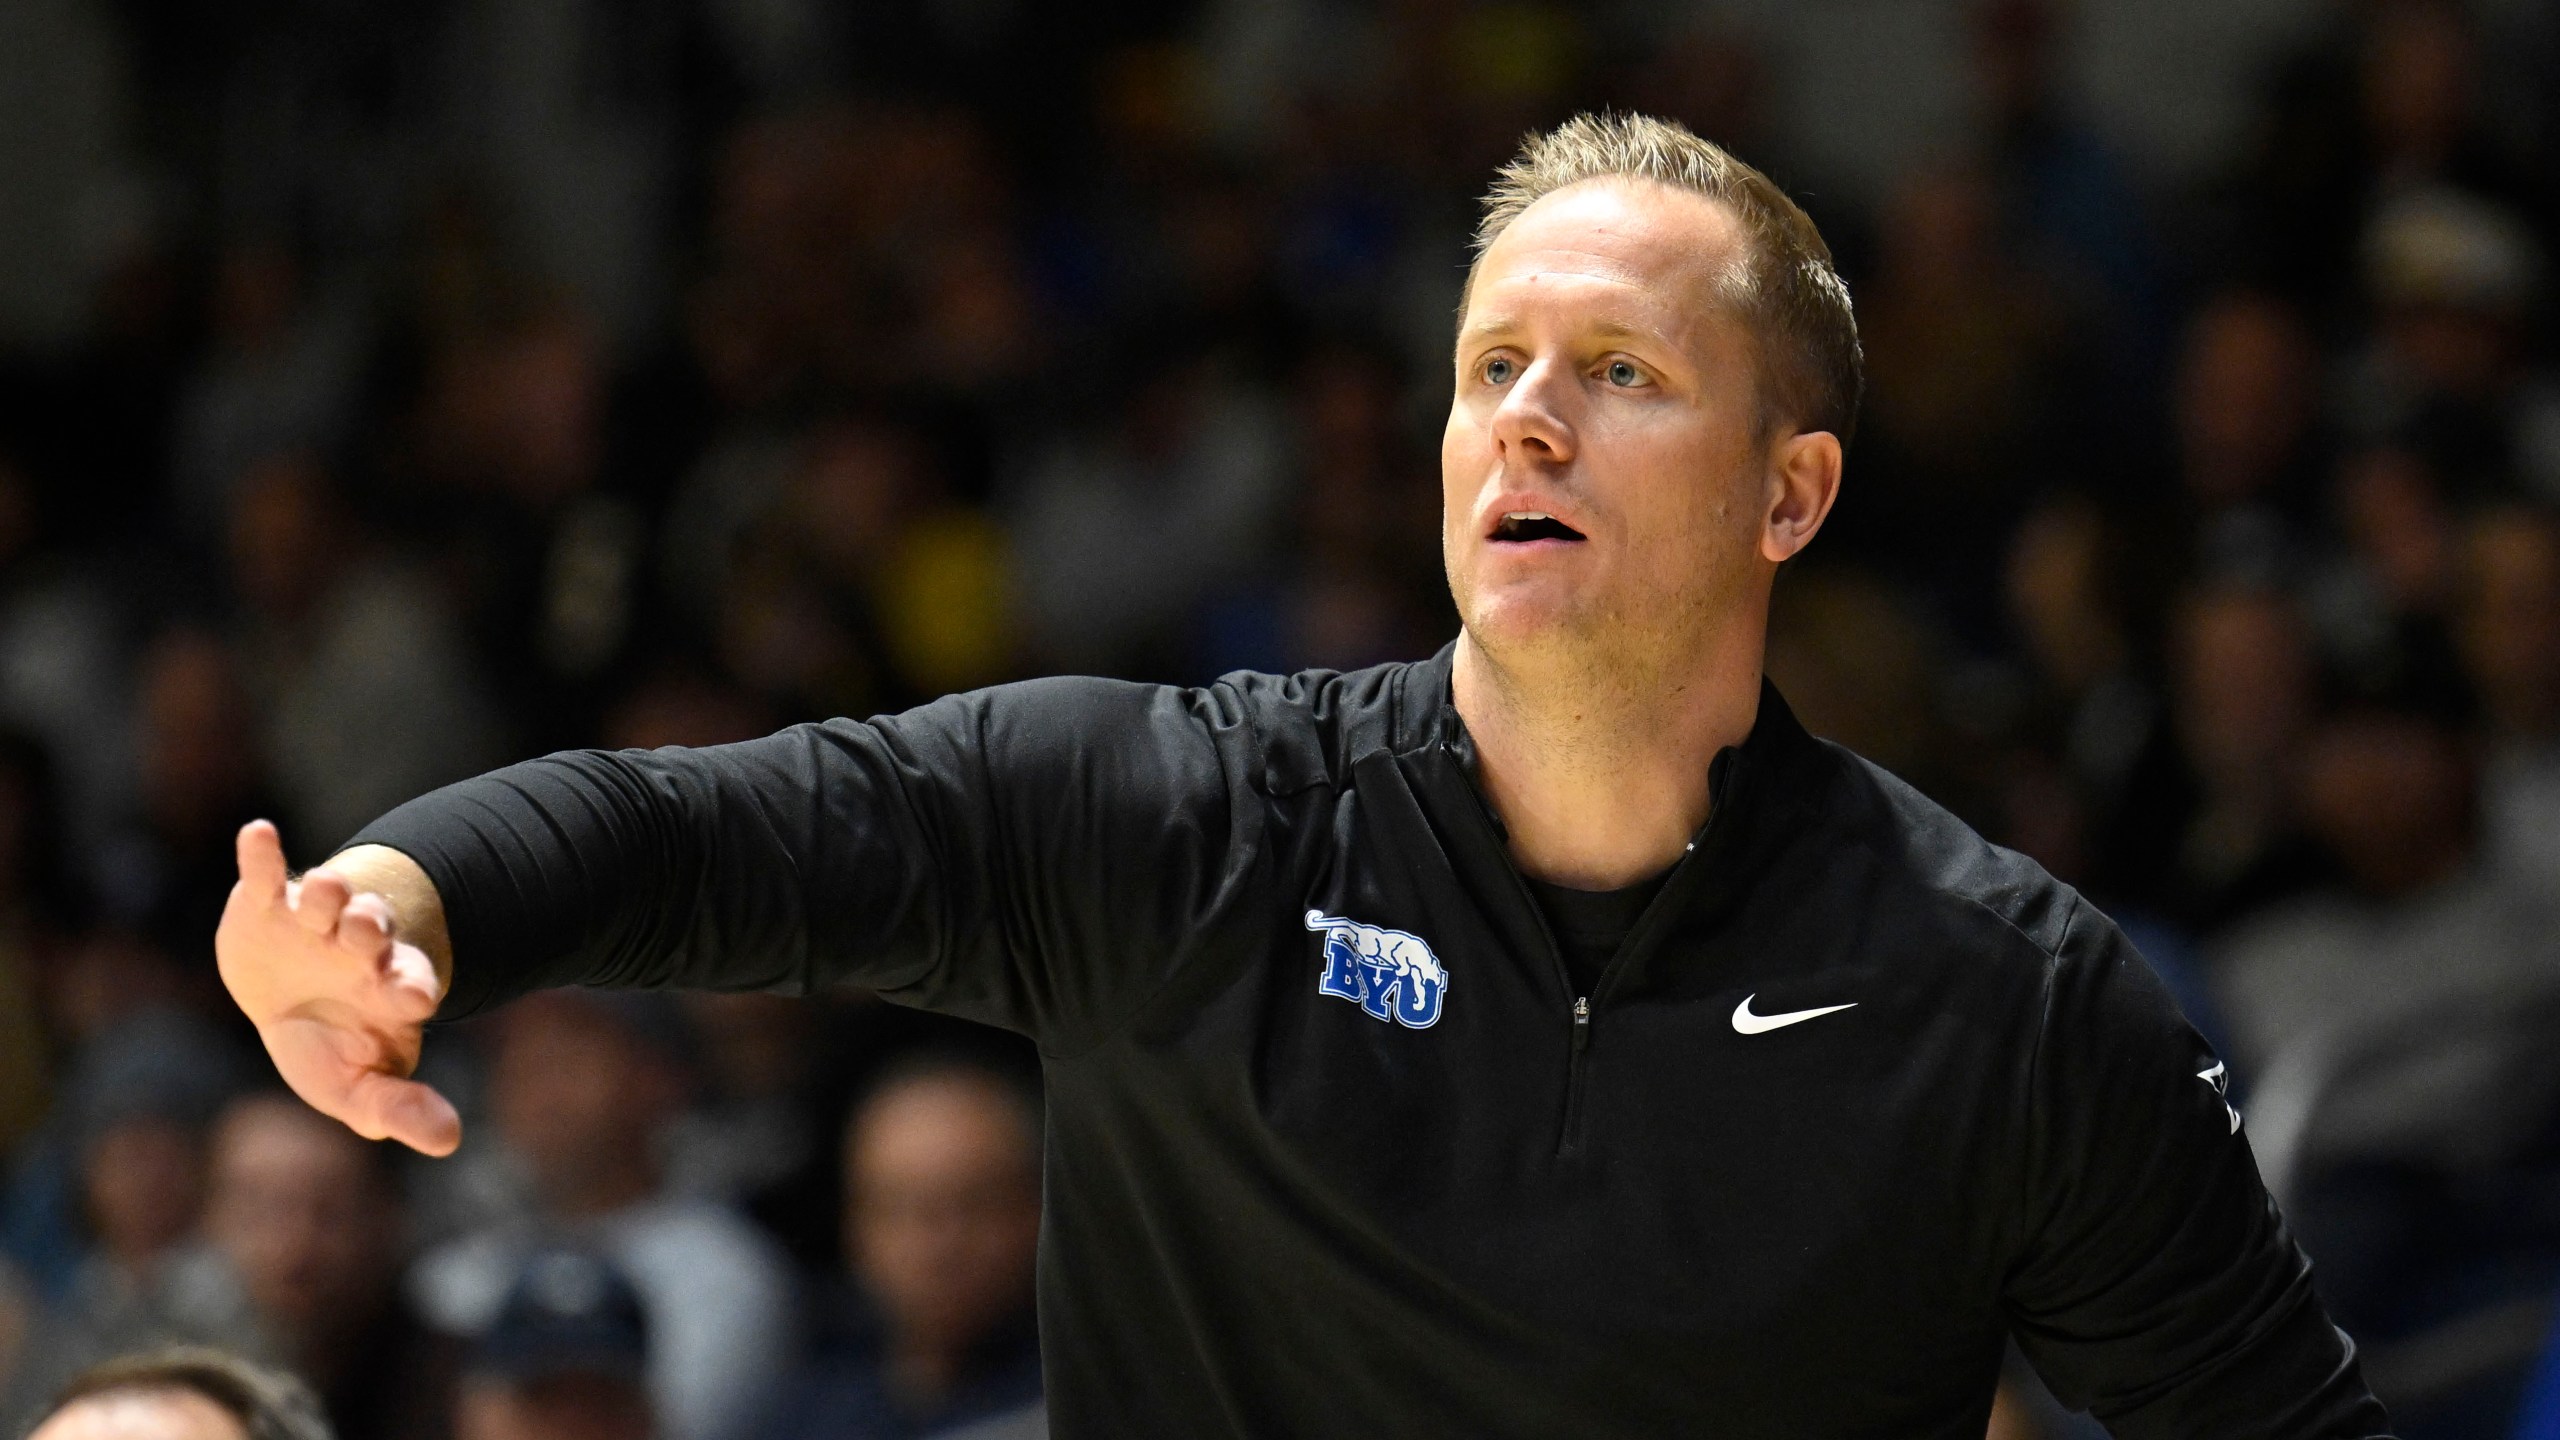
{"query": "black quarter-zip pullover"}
[(1337, 1147)]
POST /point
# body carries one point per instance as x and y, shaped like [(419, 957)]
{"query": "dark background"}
[(390, 391)]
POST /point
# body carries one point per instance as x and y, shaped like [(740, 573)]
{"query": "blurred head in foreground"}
[(183, 1394), (565, 1359)]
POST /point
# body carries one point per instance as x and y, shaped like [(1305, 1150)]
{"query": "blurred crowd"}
[(456, 381)]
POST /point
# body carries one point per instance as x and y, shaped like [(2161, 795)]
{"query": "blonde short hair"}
[(1812, 370)]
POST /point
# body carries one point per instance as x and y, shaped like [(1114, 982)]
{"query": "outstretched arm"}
[(340, 971), (1037, 856)]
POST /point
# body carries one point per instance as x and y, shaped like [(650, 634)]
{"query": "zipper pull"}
[(1581, 1023)]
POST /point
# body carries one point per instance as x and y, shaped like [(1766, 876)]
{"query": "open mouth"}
[(1523, 526)]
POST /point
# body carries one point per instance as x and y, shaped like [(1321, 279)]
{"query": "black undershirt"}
[(1590, 925)]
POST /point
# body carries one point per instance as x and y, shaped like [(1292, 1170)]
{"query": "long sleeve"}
[(2159, 1288), (1039, 856)]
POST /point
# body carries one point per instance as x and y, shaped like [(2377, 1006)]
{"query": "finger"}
[(383, 1107), (262, 869), (364, 926), (410, 985), (321, 896)]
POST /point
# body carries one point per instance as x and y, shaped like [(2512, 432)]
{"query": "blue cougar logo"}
[(1392, 975)]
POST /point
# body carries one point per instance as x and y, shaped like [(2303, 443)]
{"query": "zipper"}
[(1579, 1029), (1568, 1133), (1672, 896)]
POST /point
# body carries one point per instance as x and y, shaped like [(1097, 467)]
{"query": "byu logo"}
[(1390, 974), (2219, 1077)]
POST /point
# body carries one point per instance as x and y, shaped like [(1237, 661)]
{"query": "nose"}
[(1529, 426)]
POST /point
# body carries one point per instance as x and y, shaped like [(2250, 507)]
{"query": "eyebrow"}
[(1511, 325)]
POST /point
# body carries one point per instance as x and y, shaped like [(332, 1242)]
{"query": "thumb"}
[(383, 1107)]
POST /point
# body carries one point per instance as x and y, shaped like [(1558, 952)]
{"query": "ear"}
[(1803, 480)]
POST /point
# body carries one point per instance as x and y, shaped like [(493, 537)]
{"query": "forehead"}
[(1636, 250)]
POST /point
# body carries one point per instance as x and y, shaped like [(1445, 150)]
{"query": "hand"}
[(341, 1005)]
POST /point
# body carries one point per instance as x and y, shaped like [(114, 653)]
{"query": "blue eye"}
[(1622, 373), (1498, 371)]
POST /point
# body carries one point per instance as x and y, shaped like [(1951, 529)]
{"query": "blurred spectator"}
[(127, 1141), (1961, 338), (2243, 681), (754, 1138), (582, 1090), (2389, 101), (942, 1221), (2509, 627), (165, 873), (2380, 983), (2068, 201), (2397, 1033), (2419, 77), (369, 697), (306, 1218), (567, 1357), (1968, 378), (187, 1393), (531, 523), (2070, 602), (2245, 400), (2379, 599), (2456, 281)]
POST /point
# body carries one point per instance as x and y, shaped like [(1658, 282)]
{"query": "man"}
[(1546, 1038), (308, 1226), (942, 1221), (185, 1393)]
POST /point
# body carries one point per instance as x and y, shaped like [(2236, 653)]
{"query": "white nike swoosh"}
[(1746, 1023)]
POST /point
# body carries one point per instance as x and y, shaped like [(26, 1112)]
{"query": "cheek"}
[(1465, 452), (1687, 488)]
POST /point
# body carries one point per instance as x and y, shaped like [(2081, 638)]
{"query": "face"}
[(296, 1207), (945, 1206), (170, 1414), (571, 1090), (2390, 797), (2244, 685), (1607, 491), (144, 1180), (2246, 390)]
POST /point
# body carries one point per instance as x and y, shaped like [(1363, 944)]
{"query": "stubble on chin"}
[(1606, 657)]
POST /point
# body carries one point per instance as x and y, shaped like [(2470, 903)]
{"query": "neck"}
[(1598, 772)]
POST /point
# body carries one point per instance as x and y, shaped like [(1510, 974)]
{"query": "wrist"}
[(417, 911)]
